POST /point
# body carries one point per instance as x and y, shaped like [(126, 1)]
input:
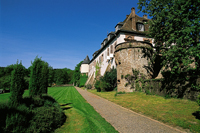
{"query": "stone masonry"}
[(128, 55)]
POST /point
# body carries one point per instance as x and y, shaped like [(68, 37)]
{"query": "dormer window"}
[(105, 41), (102, 45), (118, 26), (140, 26), (110, 35)]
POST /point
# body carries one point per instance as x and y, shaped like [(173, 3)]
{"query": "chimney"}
[(145, 16), (133, 19), (133, 11)]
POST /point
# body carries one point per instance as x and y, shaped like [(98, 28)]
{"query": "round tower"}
[(85, 66), (131, 55)]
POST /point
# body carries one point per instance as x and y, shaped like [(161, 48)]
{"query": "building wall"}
[(84, 68), (103, 60)]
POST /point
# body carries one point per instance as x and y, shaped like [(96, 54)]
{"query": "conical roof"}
[(86, 60)]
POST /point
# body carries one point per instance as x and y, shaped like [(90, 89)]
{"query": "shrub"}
[(35, 114), (47, 118), (97, 86), (17, 120), (88, 86), (104, 85), (109, 80), (198, 101)]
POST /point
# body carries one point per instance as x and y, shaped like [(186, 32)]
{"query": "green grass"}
[(81, 116), (174, 112)]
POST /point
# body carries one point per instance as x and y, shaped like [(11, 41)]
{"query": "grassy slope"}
[(81, 116), (176, 112)]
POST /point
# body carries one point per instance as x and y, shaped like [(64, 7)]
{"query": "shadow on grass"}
[(196, 114), (66, 108), (65, 104)]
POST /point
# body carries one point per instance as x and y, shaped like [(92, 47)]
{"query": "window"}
[(140, 26), (102, 57), (107, 51), (111, 49)]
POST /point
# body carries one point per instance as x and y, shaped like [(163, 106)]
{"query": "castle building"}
[(122, 49)]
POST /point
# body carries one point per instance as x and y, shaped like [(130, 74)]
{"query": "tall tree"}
[(77, 74), (39, 77), (175, 28), (17, 83)]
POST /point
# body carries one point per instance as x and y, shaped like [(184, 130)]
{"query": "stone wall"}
[(155, 87), (131, 55)]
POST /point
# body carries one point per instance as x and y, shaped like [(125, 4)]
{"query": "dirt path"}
[(124, 120)]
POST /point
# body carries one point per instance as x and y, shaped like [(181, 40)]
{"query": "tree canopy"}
[(175, 28), (77, 74)]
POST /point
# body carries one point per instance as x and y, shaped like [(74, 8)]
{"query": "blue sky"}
[(62, 32)]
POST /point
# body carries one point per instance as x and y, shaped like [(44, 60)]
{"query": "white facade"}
[(84, 68), (124, 31)]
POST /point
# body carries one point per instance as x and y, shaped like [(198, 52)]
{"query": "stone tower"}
[(128, 55)]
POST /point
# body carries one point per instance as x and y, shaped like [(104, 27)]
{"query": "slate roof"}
[(86, 60)]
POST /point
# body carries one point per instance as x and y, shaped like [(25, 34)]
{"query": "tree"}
[(2, 73), (61, 76), (51, 76), (44, 77), (39, 77), (17, 83), (175, 28), (77, 74)]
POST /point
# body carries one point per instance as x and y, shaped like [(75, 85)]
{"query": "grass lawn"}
[(175, 112), (81, 116)]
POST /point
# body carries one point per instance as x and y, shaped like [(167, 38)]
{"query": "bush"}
[(47, 118), (109, 80), (104, 85), (97, 86), (35, 114), (17, 120), (198, 101)]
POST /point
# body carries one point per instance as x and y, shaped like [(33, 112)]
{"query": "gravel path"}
[(125, 120)]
